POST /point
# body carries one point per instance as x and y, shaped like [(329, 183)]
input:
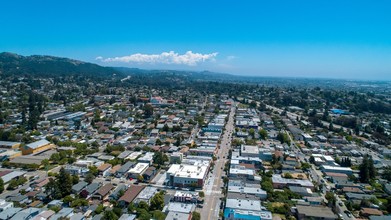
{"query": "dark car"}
[(348, 213)]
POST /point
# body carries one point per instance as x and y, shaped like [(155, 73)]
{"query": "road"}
[(211, 207)]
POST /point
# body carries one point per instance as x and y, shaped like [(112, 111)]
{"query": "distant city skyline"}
[(325, 39)]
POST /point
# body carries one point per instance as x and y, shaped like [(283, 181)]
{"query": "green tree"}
[(65, 183), (158, 215), (79, 202), (140, 178), (165, 128), (45, 163), (75, 179), (148, 110), (387, 173), (305, 166), (331, 199), (252, 132), (93, 170), (89, 178), (160, 158), (53, 189), (99, 209), (372, 169), (68, 199), (144, 214), (158, 142), (312, 159), (263, 134), (288, 176), (157, 202), (1, 185), (195, 216), (367, 170), (131, 207), (143, 205), (283, 138), (109, 215)]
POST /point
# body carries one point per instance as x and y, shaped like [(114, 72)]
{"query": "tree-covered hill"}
[(49, 66)]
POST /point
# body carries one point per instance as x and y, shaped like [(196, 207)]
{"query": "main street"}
[(213, 189)]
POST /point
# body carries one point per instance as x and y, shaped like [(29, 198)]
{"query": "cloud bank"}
[(189, 58)]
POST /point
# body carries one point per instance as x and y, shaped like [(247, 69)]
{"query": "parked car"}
[(348, 213)]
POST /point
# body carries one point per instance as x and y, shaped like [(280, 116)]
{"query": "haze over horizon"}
[(332, 39)]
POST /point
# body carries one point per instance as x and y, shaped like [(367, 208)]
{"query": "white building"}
[(146, 195), (147, 158), (249, 151), (183, 175), (5, 205), (138, 170)]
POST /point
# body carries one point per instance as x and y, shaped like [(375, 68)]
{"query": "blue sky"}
[(334, 39)]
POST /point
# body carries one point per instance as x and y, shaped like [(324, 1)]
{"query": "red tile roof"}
[(131, 193)]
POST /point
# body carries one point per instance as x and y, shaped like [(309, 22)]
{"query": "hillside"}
[(50, 66)]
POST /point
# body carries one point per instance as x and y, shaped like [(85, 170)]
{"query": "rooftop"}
[(37, 144), (315, 211), (139, 168), (244, 204), (185, 170)]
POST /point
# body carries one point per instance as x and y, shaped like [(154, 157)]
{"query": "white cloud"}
[(189, 58), (231, 58)]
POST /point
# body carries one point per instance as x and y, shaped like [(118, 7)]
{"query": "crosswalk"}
[(214, 192)]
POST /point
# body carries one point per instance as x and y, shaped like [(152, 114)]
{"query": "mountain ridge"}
[(50, 66)]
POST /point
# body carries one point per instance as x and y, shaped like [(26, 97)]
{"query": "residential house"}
[(104, 169), (89, 190), (77, 188), (103, 192), (130, 194)]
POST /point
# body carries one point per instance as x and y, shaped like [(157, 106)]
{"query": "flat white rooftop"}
[(188, 171), (139, 168)]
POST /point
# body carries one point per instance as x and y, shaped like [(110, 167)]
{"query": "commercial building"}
[(256, 191), (203, 151), (237, 209), (335, 169), (241, 173), (172, 215), (314, 212), (265, 154), (12, 175), (37, 147), (187, 208), (249, 151), (184, 175), (238, 214), (186, 196), (279, 182), (9, 144)]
